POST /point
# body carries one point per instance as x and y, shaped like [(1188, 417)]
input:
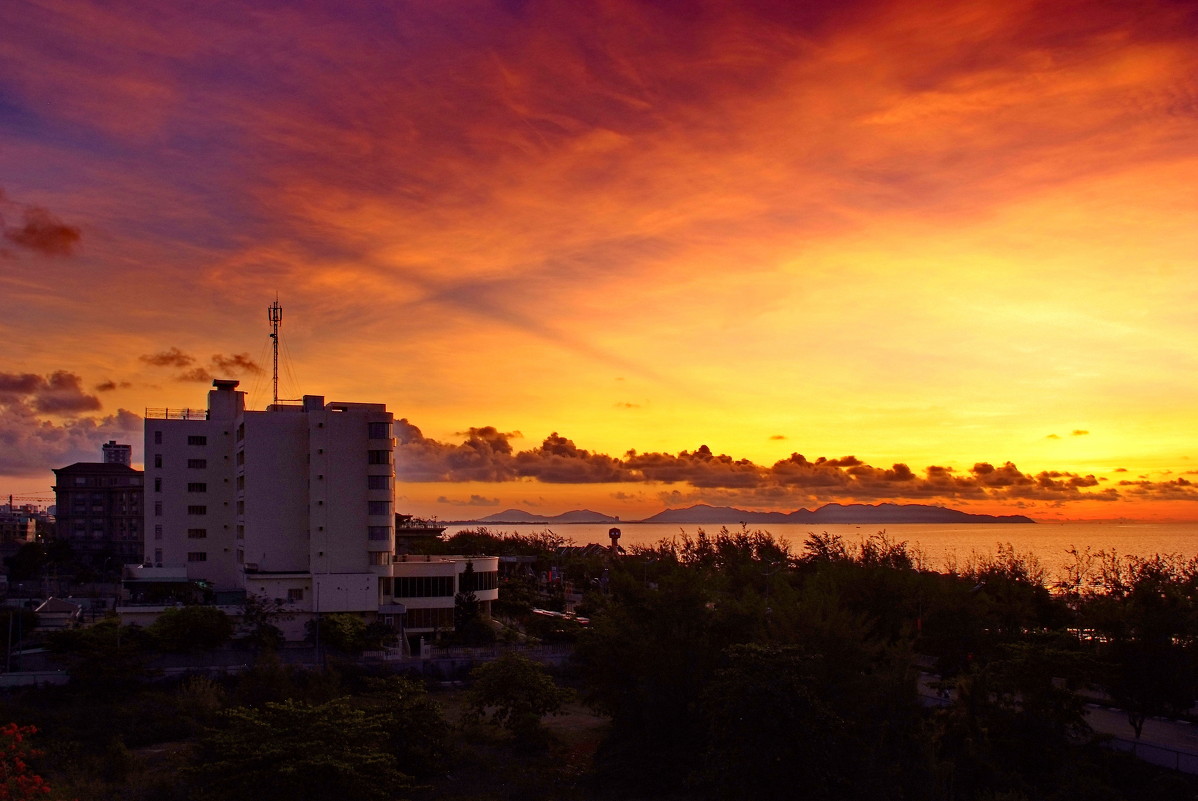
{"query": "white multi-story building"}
[(293, 504)]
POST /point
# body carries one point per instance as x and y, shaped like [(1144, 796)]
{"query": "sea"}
[(938, 546)]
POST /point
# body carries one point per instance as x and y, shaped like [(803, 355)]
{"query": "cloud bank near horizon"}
[(44, 423), (487, 455)]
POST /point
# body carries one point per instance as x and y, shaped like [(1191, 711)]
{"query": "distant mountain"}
[(520, 516), (832, 513), (702, 513)]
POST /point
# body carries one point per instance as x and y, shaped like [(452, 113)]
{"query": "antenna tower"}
[(275, 312)]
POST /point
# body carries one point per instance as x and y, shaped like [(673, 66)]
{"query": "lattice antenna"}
[(275, 312)]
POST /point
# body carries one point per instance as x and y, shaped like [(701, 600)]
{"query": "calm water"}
[(940, 545)]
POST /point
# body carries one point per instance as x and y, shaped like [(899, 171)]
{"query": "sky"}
[(621, 255)]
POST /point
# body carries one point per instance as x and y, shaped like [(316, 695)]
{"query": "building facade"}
[(98, 510), (117, 453), (293, 504)]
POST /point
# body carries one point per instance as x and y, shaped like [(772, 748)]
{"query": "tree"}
[(17, 781), (339, 631), (107, 657), (417, 733), (259, 616), (514, 692), (27, 562), (769, 724), (1148, 626), (293, 751), (186, 629), (15, 625), (468, 623)]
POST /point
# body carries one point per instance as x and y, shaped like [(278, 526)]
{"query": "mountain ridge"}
[(724, 515)]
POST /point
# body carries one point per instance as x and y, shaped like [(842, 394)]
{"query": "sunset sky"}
[(789, 253)]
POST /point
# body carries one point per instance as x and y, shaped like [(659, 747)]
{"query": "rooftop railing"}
[(176, 414)]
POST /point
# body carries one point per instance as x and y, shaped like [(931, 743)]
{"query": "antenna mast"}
[(275, 312)]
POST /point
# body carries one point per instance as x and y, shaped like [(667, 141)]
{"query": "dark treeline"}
[(729, 666), (735, 667)]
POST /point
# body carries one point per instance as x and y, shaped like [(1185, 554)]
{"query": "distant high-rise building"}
[(116, 453), (98, 509)]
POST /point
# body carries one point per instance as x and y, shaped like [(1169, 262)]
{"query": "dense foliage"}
[(722, 666)]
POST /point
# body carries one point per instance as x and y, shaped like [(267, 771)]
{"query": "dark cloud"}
[(168, 358), (44, 233), (473, 500), (559, 461), (778, 437), (1053, 436), (60, 393), (626, 405), (1079, 432), (222, 364), (487, 454), (235, 363), (109, 386), (1179, 489), (197, 374)]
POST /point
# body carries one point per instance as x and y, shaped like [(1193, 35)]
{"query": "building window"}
[(378, 457), (430, 619), (197, 533), (197, 464), (241, 432), (80, 481), (157, 485), (380, 558), (378, 482), (240, 532), (158, 508), (158, 556), (197, 486), (157, 437), (241, 507), (378, 507), (378, 430), (158, 460), (240, 557), (197, 510), (488, 580), (424, 587), (379, 533), (197, 556), (197, 440), (241, 482), (240, 458), (158, 531), (295, 595)]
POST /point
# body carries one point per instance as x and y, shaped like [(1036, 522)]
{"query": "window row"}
[(473, 582), (192, 439), (424, 587), (429, 619)]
